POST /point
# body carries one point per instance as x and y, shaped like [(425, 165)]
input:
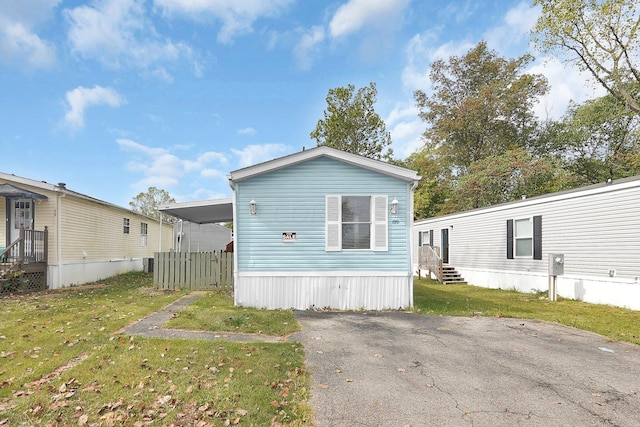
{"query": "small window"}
[(144, 227), (425, 238), (523, 236), (125, 224), (356, 223)]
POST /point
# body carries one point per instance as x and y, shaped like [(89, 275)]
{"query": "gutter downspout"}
[(59, 236), (410, 231)]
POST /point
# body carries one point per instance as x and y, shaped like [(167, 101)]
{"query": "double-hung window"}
[(125, 225), (523, 235), (144, 228), (524, 238), (356, 222)]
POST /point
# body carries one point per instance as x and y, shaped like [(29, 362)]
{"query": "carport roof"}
[(201, 212)]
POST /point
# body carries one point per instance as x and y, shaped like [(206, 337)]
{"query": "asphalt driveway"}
[(403, 369)]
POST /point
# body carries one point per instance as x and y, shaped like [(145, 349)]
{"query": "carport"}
[(196, 270)]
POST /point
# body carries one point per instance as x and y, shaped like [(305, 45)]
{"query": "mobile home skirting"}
[(309, 290), (616, 291), (80, 272)]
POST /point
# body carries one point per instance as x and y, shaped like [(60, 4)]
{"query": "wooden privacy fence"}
[(193, 270)]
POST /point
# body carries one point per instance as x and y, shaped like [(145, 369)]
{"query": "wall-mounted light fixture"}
[(394, 207), (253, 209)]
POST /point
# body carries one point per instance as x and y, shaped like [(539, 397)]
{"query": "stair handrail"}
[(429, 259), (9, 254)]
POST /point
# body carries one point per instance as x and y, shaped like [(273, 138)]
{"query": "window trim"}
[(379, 229), (536, 238), (144, 233)]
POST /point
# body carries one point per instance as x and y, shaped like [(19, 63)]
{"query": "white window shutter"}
[(380, 228), (333, 234)]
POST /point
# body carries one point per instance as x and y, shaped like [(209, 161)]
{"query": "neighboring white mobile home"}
[(86, 239), (507, 246)]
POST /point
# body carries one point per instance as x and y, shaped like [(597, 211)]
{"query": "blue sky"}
[(114, 96)]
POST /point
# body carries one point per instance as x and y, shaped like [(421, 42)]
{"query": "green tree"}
[(601, 36), (435, 186), (503, 178), (351, 124), (596, 141), (147, 203), (480, 105)]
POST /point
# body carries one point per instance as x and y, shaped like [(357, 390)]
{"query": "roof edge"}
[(323, 151)]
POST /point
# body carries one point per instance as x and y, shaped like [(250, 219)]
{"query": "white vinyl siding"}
[(356, 222), (596, 230)]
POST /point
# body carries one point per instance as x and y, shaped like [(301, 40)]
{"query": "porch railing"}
[(23, 264), (429, 260)]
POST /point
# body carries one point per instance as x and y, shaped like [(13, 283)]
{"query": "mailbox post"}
[(556, 268)]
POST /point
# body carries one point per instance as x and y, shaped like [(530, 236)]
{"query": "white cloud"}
[(19, 42), (515, 31), (165, 170), (81, 98), (117, 34), (566, 83), (421, 52), (254, 154), (406, 129), (355, 14), (308, 45), (237, 16), (246, 131)]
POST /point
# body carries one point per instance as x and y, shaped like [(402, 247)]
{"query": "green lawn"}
[(431, 297), (62, 362)]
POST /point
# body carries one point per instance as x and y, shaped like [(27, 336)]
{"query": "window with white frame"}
[(356, 222), (125, 225), (523, 237), (425, 238), (144, 227)]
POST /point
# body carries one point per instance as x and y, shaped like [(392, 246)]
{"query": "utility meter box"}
[(556, 264)]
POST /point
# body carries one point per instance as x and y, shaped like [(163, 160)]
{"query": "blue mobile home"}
[(323, 228)]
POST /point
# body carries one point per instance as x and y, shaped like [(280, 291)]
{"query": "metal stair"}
[(451, 275)]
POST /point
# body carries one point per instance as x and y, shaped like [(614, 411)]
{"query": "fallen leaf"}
[(323, 385), (379, 355), (338, 371), (349, 380), (402, 370)]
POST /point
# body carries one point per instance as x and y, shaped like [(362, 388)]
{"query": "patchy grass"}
[(62, 362), (431, 297), (216, 312)]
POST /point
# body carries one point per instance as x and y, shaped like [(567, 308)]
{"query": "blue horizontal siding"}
[(293, 200)]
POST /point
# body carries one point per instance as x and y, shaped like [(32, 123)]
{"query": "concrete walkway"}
[(152, 326)]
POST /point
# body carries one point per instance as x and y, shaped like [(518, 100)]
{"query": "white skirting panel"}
[(616, 291), (80, 272), (348, 292)]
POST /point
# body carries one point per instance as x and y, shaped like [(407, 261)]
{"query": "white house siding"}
[(86, 238), (292, 274), (94, 245), (596, 228)]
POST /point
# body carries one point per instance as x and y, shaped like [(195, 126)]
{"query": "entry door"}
[(445, 245), (21, 216)]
